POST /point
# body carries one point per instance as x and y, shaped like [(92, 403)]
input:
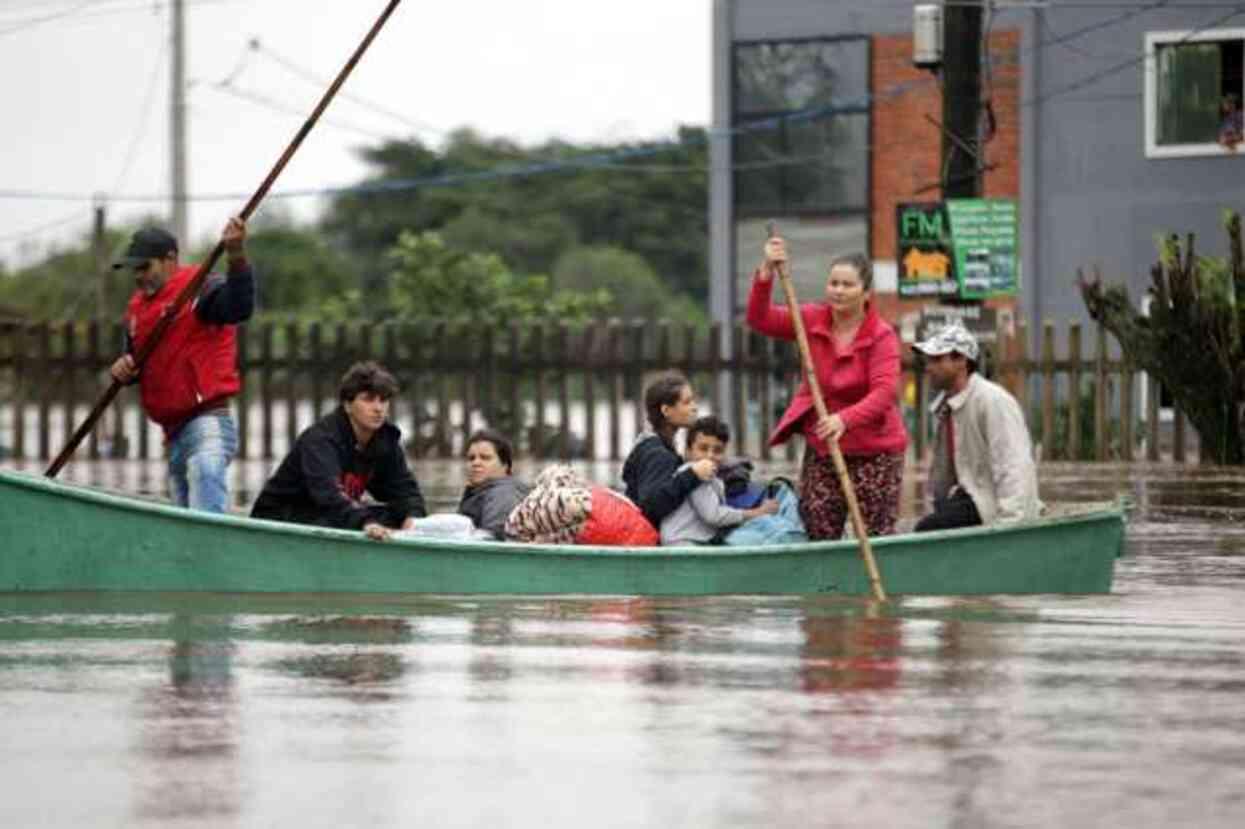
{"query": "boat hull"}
[(59, 537)]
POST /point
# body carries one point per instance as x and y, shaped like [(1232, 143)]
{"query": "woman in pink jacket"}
[(856, 356)]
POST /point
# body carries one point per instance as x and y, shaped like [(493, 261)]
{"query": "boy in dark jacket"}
[(347, 453)]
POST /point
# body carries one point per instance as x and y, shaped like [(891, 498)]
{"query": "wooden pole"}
[(840, 466), (192, 288)]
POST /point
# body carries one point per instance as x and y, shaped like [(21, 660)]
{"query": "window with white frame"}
[(1194, 93)]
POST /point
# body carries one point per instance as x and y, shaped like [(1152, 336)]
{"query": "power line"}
[(77, 215), (79, 13), (36, 21), (310, 77), (259, 99), (1133, 61), (141, 126)]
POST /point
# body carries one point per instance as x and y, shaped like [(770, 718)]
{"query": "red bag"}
[(616, 522)]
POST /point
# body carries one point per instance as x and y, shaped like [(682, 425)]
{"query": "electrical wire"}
[(315, 80), (1126, 64)]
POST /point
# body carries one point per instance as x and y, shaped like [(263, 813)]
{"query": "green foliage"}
[(629, 278), (66, 284), (431, 280), (298, 272), (653, 207)]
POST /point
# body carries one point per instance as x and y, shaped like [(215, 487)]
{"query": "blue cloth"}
[(199, 457), (783, 527), (748, 498)]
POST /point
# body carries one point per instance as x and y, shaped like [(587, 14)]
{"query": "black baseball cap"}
[(148, 243)]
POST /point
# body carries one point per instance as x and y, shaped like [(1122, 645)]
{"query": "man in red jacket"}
[(191, 375)]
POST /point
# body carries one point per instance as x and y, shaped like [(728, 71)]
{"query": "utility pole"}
[(177, 122), (961, 99), (99, 246)]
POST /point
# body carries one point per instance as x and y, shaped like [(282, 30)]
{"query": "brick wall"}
[(907, 147)]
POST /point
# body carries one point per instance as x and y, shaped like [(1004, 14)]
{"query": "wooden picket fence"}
[(560, 391)]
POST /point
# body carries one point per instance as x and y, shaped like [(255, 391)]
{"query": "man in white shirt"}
[(982, 471)]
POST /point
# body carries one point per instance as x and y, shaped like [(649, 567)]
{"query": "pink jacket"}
[(860, 384)]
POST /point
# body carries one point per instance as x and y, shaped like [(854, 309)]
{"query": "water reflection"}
[(188, 731), (845, 652), (356, 653)]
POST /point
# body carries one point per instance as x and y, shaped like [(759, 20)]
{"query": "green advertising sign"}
[(926, 260), (986, 247), (964, 248)]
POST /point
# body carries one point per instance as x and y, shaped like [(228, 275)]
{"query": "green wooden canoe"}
[(61, 537)]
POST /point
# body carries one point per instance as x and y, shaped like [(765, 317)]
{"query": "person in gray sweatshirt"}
[(704, 517), (492, 492)]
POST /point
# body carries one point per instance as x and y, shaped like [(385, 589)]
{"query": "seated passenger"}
[(982, 469), (704, 518), (347, 453), (650, 471), (492, 492)]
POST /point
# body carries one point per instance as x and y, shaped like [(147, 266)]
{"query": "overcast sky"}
[(85, 99)]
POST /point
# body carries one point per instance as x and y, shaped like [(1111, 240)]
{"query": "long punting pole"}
[(840, 466), (192, 288)]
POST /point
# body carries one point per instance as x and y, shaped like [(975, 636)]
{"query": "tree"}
[(1192, 340), (298, 271), (629, 279), (428, 279), (529, 206)]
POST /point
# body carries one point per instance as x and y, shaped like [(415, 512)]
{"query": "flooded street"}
[(311, 710)]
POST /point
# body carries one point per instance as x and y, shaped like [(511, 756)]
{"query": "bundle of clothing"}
[(563, 508)]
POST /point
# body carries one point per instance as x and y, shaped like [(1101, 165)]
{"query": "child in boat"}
[(705, 517)]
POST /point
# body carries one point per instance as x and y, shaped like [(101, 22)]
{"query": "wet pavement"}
[(179, 710)]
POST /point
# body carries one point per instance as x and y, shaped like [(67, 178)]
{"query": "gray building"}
[(1119, 119)]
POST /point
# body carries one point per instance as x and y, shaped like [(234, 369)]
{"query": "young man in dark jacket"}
[(349, 452)]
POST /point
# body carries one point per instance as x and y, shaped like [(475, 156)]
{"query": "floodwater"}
[(220, 711)]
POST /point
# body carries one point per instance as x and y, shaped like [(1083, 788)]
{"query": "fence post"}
[(465, 356), (265, 387), (1178, 444), (715, 366), (1074, 391), (587, 358), (564, 392), (516, 411), (488, 393), (762, 378), (739, 359), (1101, 438), (1048, 390), (1126, 409), (640, 364), (614, 357), (444, 441), (45, 389), (1153, 393), (537, 440), (92, 365), (318, 370), (291, 383), (1021, 363), (21, 386)]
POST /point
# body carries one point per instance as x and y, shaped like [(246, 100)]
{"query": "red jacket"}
[(860, 384), (193, 368)]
